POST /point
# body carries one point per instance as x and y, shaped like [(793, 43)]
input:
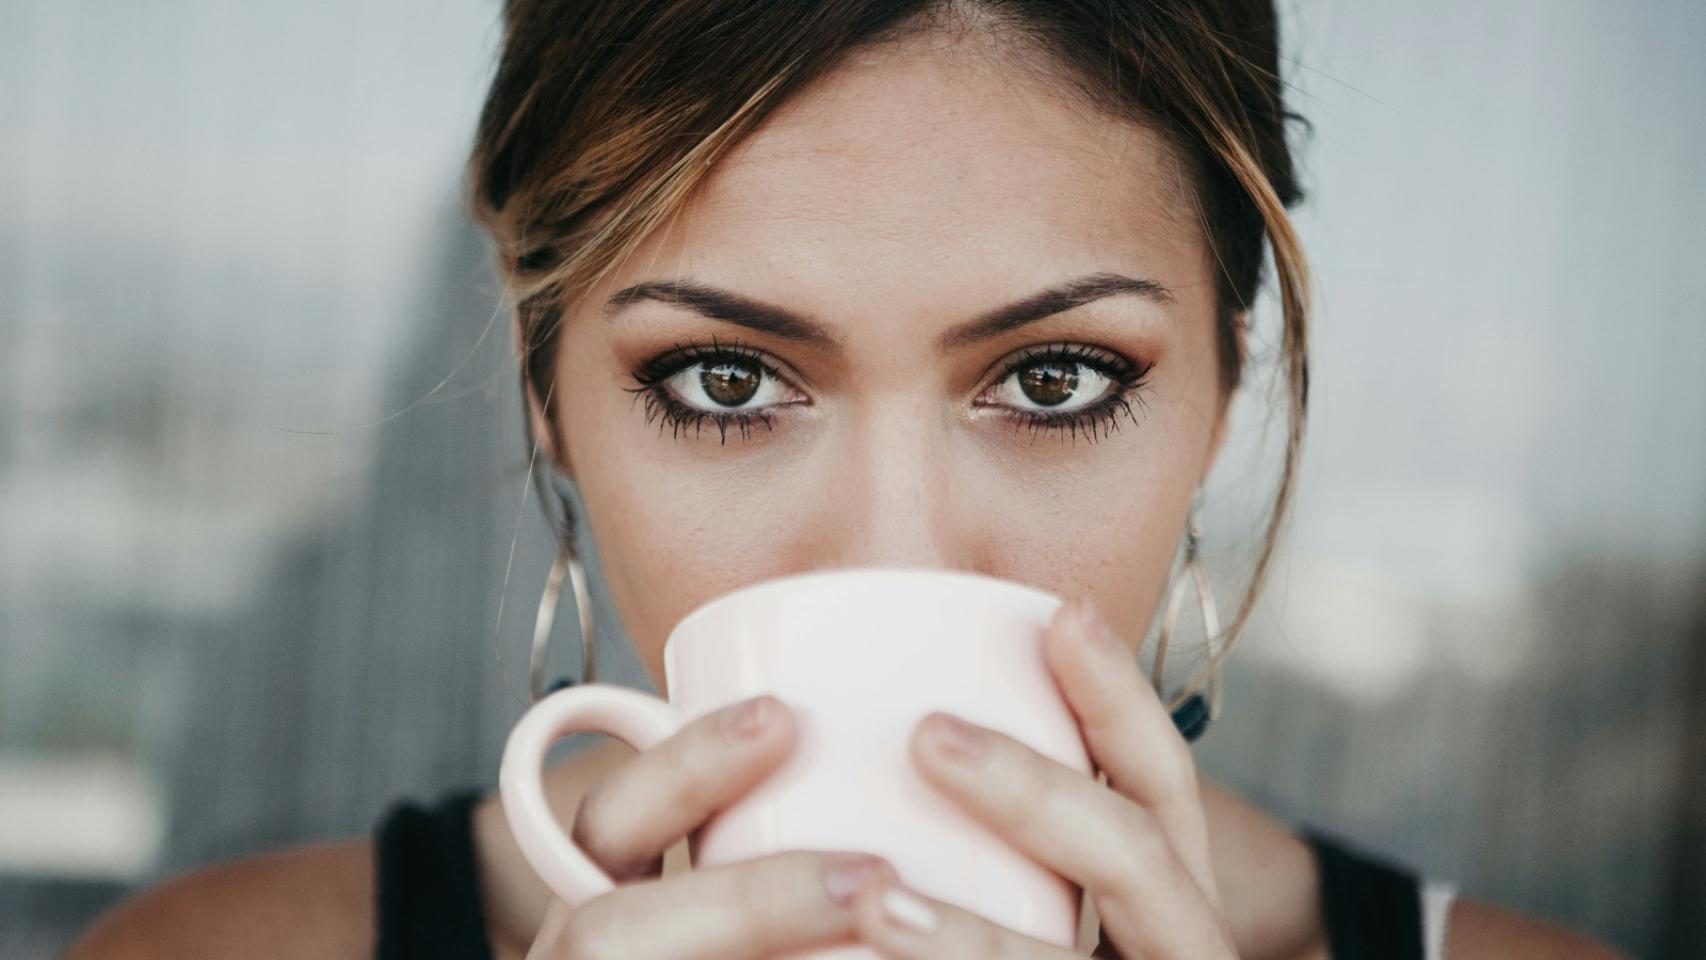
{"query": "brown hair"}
[(605, 115)]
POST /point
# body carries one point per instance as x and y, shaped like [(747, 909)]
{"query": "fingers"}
[(547, 941), (1128, 730), (628, 820), (1114, 848), (902, 923), (740, 911)]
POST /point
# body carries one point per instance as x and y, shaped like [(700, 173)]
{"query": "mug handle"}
[(638, 719)]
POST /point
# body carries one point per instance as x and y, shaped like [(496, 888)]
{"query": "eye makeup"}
[(724, 369), (693, 384), (1049, 367)]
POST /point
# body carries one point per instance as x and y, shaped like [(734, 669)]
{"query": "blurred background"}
[(262, 474)]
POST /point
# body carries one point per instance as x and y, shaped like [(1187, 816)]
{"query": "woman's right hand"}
[(750, 909)]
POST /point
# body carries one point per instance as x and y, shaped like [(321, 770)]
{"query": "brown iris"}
[(1049, 384), (729, 383)]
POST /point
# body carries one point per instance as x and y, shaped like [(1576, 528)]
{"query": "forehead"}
[(936, 174)]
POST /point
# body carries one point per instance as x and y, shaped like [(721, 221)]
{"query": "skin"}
[(904, 196), (906, 193), (1138, 846), (885, 205)]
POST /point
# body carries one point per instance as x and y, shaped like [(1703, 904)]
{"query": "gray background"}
[(261, 468)]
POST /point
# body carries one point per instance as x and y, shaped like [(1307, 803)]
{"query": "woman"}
[(958, 284)]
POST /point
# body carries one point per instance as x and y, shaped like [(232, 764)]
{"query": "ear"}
[(1216, 440), (1223, 411), (551, 444)]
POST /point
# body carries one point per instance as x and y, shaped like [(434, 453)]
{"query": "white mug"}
[(860, 655)]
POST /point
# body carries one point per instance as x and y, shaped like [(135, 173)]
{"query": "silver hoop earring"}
[(1194, 715), (566, 562)]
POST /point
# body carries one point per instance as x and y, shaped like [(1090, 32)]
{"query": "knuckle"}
[(588, 831), (1168, 774), (699, 763), (1034, 800), (744, 895), (753, 897), (581, 831), (589, 934), (1145, 848), (1147, 838), (1178, 766), (991, 943), (747, 897), (969, 935), (605, 836)]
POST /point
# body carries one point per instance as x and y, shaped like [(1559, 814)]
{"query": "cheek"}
[(672, 535), (678, 522), (1109, 534), (675, 525), (666, 541), (1106, 520)]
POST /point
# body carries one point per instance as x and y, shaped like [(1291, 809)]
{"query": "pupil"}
[(1049, 384), (730, 384)]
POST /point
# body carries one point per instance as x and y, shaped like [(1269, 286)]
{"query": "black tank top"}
[(429, 899)]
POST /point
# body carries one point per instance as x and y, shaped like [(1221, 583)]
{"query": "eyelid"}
[(655, 372), (662, 402), (684, 355), (1115, 365)]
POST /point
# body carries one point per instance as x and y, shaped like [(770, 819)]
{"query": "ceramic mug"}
[(860, 655)]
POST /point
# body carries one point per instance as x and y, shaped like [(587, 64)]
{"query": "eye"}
[(729, 385), (726, 384), (1069, 388), (1055, 386)]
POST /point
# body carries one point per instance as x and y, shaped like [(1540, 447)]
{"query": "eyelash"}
[(1128, 379)]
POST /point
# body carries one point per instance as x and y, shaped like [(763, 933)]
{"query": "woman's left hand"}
[(1138, 845)]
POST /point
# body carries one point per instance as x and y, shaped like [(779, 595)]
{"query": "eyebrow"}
[(731, 307)]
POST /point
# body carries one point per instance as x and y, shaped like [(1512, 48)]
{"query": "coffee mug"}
[(860, 655)]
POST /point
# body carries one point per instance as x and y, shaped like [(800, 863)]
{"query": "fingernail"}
[(845, 873), (908, 911), (956, 739), (747, 720)]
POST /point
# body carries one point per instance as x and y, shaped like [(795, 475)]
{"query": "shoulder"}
[(1269, 884), (1481, 930), (1478, 928), (309, 901)]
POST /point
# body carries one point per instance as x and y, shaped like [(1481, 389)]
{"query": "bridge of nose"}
[(894, 497)]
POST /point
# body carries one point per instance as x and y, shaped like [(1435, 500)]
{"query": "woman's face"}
[(891, 233)]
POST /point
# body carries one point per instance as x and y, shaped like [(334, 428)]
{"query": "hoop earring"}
[(1191, 717), (1194, 715), (566, 561)]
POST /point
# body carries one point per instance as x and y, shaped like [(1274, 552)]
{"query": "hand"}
[(751, 909), (1138, 846)]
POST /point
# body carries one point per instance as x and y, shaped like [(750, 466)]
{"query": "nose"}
[(893, 499)]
